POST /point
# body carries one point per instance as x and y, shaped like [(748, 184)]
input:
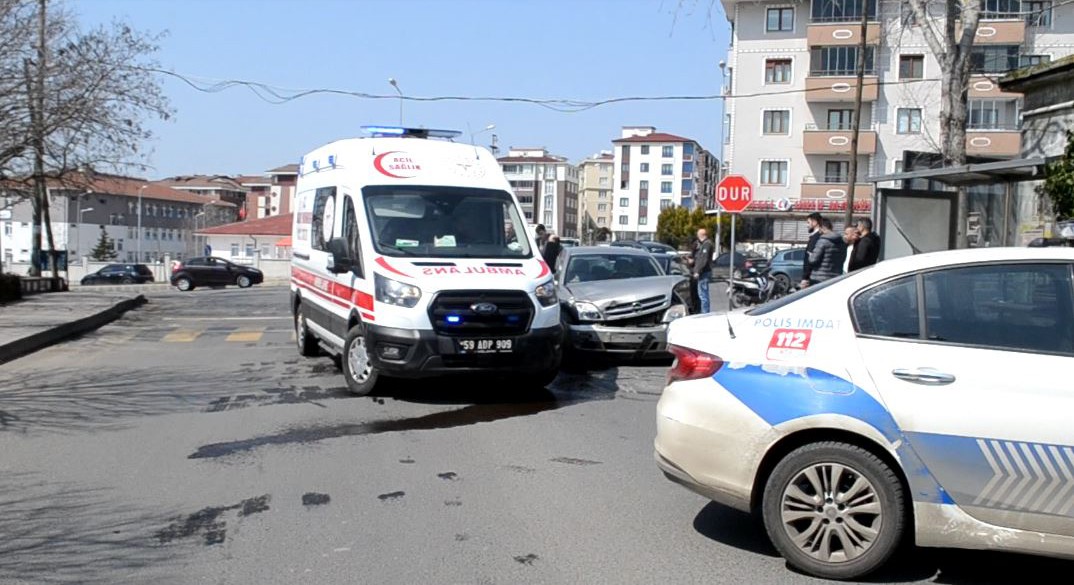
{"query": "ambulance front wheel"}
[(358, 369)]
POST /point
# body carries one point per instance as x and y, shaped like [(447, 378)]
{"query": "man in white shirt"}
[(851, 237)]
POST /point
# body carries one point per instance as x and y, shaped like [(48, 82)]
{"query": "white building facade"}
[(597, 175), (791, 83), (547, 187), (653, 171)]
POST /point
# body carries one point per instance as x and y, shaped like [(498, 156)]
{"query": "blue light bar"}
[(454, 319), (411, 132)]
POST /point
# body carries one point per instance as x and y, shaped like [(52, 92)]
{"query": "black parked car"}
[(743, 262), (647, 245), (212, 271), (120, 274)]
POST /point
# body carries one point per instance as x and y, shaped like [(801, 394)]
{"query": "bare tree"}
[(85, 99)]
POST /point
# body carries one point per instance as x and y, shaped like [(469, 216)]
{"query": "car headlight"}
[(674, 312), (394, 292), (587, 312), (546, 294)]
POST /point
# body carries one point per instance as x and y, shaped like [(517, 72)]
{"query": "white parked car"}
[(927, 396)]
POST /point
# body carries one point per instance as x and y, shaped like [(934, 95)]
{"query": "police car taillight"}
[(691, 364)]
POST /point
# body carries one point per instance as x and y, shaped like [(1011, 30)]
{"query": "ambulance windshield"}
[(445, 222)]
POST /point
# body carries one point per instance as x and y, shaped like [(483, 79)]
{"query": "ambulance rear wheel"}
[(307, 343), (358, 369)]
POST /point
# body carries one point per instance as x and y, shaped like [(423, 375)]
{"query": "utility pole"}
[(856, 120), (35, 81)]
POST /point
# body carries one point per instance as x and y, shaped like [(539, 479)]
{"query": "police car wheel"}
[(834, 510), (307, 343), (358, 369)]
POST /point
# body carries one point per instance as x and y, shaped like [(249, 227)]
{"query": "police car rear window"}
[(796, 296)]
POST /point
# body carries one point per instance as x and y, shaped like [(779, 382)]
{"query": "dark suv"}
[(212, 271), (120, 274)]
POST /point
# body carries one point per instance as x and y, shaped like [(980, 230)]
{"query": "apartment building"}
[(546, 186), (597, 175), (790, 87), (653, 171)]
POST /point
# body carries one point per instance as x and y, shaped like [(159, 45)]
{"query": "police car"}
[(924, 397)]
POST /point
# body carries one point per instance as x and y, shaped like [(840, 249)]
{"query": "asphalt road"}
[(189, 443)]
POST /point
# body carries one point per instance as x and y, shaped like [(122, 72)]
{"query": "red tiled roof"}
[(275, 225), (203, 182), (654, 137), (132, 187), (530, 159), (248, 180), (284, 170)]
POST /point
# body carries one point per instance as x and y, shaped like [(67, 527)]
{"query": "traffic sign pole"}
[(734, 193), (731, 266)]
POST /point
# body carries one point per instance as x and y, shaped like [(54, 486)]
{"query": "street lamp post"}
[(78, 228), (724, 89), (139, 235), (395, 84), (474, 135)]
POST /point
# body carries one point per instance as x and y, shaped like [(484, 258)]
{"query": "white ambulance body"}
[(411, 258)]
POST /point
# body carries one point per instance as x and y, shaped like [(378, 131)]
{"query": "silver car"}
[(617, 302)]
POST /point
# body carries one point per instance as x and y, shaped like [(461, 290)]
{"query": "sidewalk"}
[(41, 320)]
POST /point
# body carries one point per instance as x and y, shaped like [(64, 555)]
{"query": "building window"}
[(687, 185), (548, 217), (1038, 13), (1033, 60), (549, 187), (602, 195), (668, 151), (645, 167), (841, 10), (687, 168), (234, 250), (780, 20), (666, 204), (840, 61), (604, 181), (991, 9), (623, 219), (643, 185), (774, 172), (665, 186), (667, 169), (777, 71), (836, 171), (727, 129), (994, 58), (7, 228), (840, 119), (548, 201), (645, 149), (643, 202), (911, 67), (601, 221), (643, 220), (777, 122), (624, 202), (909, 120), (984, 115), (602, 207)]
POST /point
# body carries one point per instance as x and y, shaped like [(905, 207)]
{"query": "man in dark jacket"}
[(702, 268), (867, 249), (813, 220), (826, 259)]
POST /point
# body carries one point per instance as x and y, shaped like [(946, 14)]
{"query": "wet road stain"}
[(462, 537), (450, 475), (452, 503), (391, 496), (208, 523), (408, 460), (469, 415), (519, 468), (315, 499), (282, 395), (574, 461), (526, 559)]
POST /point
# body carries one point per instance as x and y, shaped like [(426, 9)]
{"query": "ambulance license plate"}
[(486, 345)]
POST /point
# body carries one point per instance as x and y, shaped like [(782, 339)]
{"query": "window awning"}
[(989, 173), (284, 242)]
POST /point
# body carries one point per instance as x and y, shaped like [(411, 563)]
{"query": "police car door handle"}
[(926, 376)]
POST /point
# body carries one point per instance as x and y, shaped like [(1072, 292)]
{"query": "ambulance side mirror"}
[(339, 259)]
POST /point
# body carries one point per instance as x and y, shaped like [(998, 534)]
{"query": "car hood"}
[(621, 291)]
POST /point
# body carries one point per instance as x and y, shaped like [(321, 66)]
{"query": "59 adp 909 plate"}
[(486, 345)]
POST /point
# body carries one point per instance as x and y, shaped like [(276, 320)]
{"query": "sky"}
[(572, 49)]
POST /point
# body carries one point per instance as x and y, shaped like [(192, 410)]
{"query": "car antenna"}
[(730, 330)]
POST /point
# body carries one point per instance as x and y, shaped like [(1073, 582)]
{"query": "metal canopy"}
[(989, 173)]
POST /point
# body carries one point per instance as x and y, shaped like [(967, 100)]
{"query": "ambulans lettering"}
[(397, 164), (439, 270)]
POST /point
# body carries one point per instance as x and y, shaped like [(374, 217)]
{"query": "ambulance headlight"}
[(546, 294), (395, 293)]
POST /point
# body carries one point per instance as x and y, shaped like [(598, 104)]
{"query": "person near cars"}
[(826, 259), (551, 249), (702, 268), (813, 221), (867, 250), (850, 237), (542, 237)]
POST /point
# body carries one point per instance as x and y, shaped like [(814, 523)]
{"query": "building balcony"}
[(993, 143), (821, 87), (982, 86), (1010, 31), (833, 188), (823, 141), (826, 34)]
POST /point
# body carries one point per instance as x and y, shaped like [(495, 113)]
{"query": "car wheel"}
[(358, 369), (127, 280), (739, 300), (243, 281), (783, 282), (307, 343), (834, 510), (184, 283)]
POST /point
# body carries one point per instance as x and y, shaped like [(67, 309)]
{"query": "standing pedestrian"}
[(551, 251), (813, 221), (542, 237), (867, 251), (850, 237), (826, 259), (702, 269)]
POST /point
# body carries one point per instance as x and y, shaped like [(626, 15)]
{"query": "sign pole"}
[(731, 265)]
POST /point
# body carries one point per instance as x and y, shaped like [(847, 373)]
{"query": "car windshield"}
[(445, 222), (594, 267)]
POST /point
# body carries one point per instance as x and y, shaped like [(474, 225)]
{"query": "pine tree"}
[(105, 249)]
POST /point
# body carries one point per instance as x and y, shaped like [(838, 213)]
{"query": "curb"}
[(43, 339)]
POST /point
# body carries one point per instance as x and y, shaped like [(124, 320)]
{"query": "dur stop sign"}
[(734, 193)]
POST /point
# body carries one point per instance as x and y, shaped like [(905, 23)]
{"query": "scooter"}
[(755, 288)]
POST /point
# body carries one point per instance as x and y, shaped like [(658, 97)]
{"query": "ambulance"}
[(411, 259)]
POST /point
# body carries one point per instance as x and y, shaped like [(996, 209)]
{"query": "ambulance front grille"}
[(466, 313)]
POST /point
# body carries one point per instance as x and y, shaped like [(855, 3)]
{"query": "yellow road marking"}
[(181, 336), (248, 336)]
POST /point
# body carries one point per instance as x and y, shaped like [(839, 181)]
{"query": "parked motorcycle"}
[(756, 288)]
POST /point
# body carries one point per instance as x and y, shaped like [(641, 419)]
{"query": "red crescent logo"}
[(378, 163), (544, 268)]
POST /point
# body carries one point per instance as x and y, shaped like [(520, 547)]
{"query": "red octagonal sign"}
[(734, 193)]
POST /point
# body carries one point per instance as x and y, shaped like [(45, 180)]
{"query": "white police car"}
[(927, 395)]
